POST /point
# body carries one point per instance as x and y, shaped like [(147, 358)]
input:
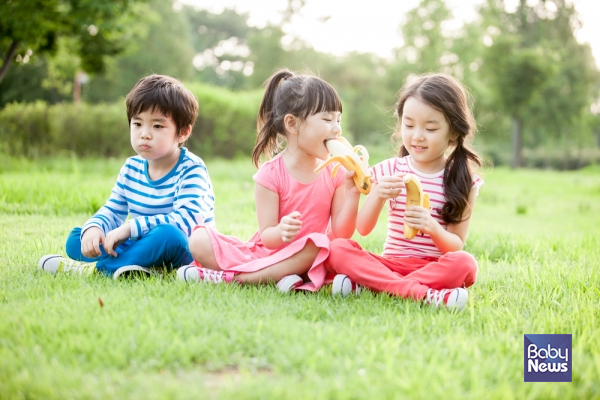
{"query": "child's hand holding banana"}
[(343, 153), (414, 197)]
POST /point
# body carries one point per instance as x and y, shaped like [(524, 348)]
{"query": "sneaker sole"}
[(131, 271)]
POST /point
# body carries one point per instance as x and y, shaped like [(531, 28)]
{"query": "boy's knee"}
[(167, 233), (73, 244)]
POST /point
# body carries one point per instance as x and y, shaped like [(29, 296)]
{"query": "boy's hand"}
[(389, 187), (289, 226), (90, 242), (115, 237)]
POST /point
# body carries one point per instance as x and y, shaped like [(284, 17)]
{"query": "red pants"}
[(404, 277)]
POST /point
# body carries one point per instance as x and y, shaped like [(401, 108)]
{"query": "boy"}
[(165, 189)]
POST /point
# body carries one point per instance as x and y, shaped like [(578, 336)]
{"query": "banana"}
[(414, 197), (342, 152)]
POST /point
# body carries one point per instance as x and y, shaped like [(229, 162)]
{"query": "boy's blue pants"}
[(163, 245)]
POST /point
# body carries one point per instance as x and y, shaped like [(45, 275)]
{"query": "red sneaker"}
[(191, 273), (453, 299)]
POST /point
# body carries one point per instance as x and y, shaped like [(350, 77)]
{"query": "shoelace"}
[(209, 275), (436, 296), (73, 266)]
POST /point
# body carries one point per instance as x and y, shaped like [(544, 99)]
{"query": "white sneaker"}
[(289, 283), (53, 263), (344, 286), (192, 273), (132, 270), (453, 299)]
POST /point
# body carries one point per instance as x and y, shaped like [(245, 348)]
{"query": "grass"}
[(534, 233)]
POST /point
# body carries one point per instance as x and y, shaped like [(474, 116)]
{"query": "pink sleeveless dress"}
[(312, 200)]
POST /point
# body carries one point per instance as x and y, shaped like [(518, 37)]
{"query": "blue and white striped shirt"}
[(184, 198)]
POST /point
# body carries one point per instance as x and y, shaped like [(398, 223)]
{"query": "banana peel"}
[(344, 154), (414, 197)]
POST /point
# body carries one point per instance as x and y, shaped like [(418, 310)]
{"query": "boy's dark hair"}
[(164, 94), (287, 93), (447, 95)]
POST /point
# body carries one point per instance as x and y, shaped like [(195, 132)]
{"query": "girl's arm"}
[(274, 233), (452, 239), (344, 207), (389, 187)]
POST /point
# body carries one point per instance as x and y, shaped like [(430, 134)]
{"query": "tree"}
[(161, 43), (221, 42), (539, 74), (100, 28), (425, 48)]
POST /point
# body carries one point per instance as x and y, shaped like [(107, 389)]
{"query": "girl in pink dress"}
[(435, 123), (298, 210)]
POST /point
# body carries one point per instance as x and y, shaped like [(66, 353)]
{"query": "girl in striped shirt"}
[(165, 190), (435, 124)]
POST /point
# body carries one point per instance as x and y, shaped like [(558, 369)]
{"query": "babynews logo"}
[(548, 358)]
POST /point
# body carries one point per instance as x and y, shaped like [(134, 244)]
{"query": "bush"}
[(226, 126), (555, 158), (24, 129), (90, 130)]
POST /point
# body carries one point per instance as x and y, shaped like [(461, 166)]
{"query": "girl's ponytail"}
[(266, 124), (458, 181)]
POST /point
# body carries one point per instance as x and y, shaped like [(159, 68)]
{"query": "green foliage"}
[(25, 129), (162, 45), (524, 68), (86, 130), (540, 75), (517, 74), (25, 83), (155, 338), (99, 27), (36, 129), (221, 42), (226, 126)]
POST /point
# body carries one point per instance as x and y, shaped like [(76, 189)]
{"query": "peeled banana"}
[(342, 152), (414, 197)]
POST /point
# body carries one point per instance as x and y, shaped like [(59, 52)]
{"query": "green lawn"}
[(535, 234)]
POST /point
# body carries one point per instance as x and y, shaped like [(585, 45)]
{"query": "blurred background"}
[(529, 64)]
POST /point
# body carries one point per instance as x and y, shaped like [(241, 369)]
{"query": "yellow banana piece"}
[(414, 197), (342, 152)]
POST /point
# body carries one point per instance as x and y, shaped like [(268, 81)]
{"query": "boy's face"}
[(154, 136)]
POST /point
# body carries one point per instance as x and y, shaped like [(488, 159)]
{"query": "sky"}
[(342, 26)]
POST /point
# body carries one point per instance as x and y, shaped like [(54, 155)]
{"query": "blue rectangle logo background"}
[(548, 358)]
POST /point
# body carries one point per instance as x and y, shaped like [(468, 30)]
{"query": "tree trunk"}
[(8, 59), (517, 142), (77, 88)]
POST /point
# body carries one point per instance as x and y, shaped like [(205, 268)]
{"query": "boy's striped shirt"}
[(184, 198), (421, 246)]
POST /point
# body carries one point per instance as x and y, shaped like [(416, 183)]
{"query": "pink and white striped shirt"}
[(420, 246)]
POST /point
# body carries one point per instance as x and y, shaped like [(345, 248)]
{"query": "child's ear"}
[(453, 137), (184, 134), (290, 123)]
